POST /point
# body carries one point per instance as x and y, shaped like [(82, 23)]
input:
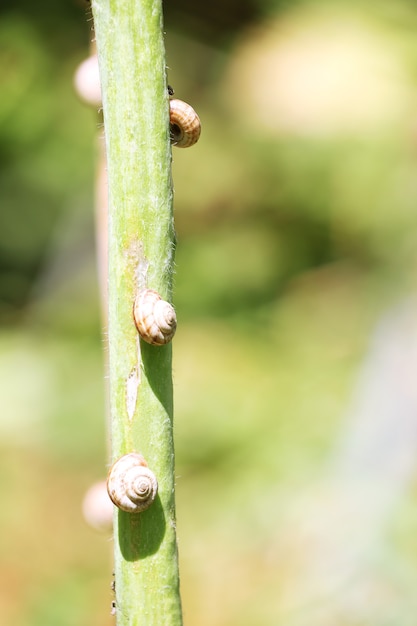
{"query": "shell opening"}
[(176, 133)]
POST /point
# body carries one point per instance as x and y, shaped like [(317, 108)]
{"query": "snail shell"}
[(155, 318), (185, 127), (131, 485)]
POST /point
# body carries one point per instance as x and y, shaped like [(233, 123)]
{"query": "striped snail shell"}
[(185, 127), (155, 318), (131, 485)]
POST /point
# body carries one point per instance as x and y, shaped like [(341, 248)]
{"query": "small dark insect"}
[(113, 608), (170, 90)]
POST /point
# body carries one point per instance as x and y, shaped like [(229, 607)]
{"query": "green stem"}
[(141, 249)]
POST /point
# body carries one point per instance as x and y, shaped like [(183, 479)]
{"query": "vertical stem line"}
[(131, 53)]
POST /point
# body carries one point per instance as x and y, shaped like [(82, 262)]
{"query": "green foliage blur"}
[(296, 223)]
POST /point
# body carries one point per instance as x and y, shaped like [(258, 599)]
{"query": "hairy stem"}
[(141, 247)]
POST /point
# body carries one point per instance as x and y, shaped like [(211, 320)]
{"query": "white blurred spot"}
[(97, 507), (87, 81)]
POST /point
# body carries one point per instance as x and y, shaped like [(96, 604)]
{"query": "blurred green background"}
[(297, 237)]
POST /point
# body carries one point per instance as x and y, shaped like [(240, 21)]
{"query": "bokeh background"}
[(296, 353)]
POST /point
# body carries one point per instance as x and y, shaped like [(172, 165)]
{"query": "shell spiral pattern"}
[(185, 126), (131, 485), (155, 318)]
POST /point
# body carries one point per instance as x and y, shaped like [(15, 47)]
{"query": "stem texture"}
[(131, 55)]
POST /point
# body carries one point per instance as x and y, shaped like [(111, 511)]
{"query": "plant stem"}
[(141, 249)]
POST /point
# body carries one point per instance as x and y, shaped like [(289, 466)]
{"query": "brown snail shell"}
[(185, 126), (155, 318), (131, 485)]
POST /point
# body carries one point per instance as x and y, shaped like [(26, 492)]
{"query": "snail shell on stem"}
[(131, 485), (155, 318), (185, 126)]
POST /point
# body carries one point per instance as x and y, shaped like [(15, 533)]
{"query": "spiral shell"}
[(185, 127), (155, 318), (131, 485)]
